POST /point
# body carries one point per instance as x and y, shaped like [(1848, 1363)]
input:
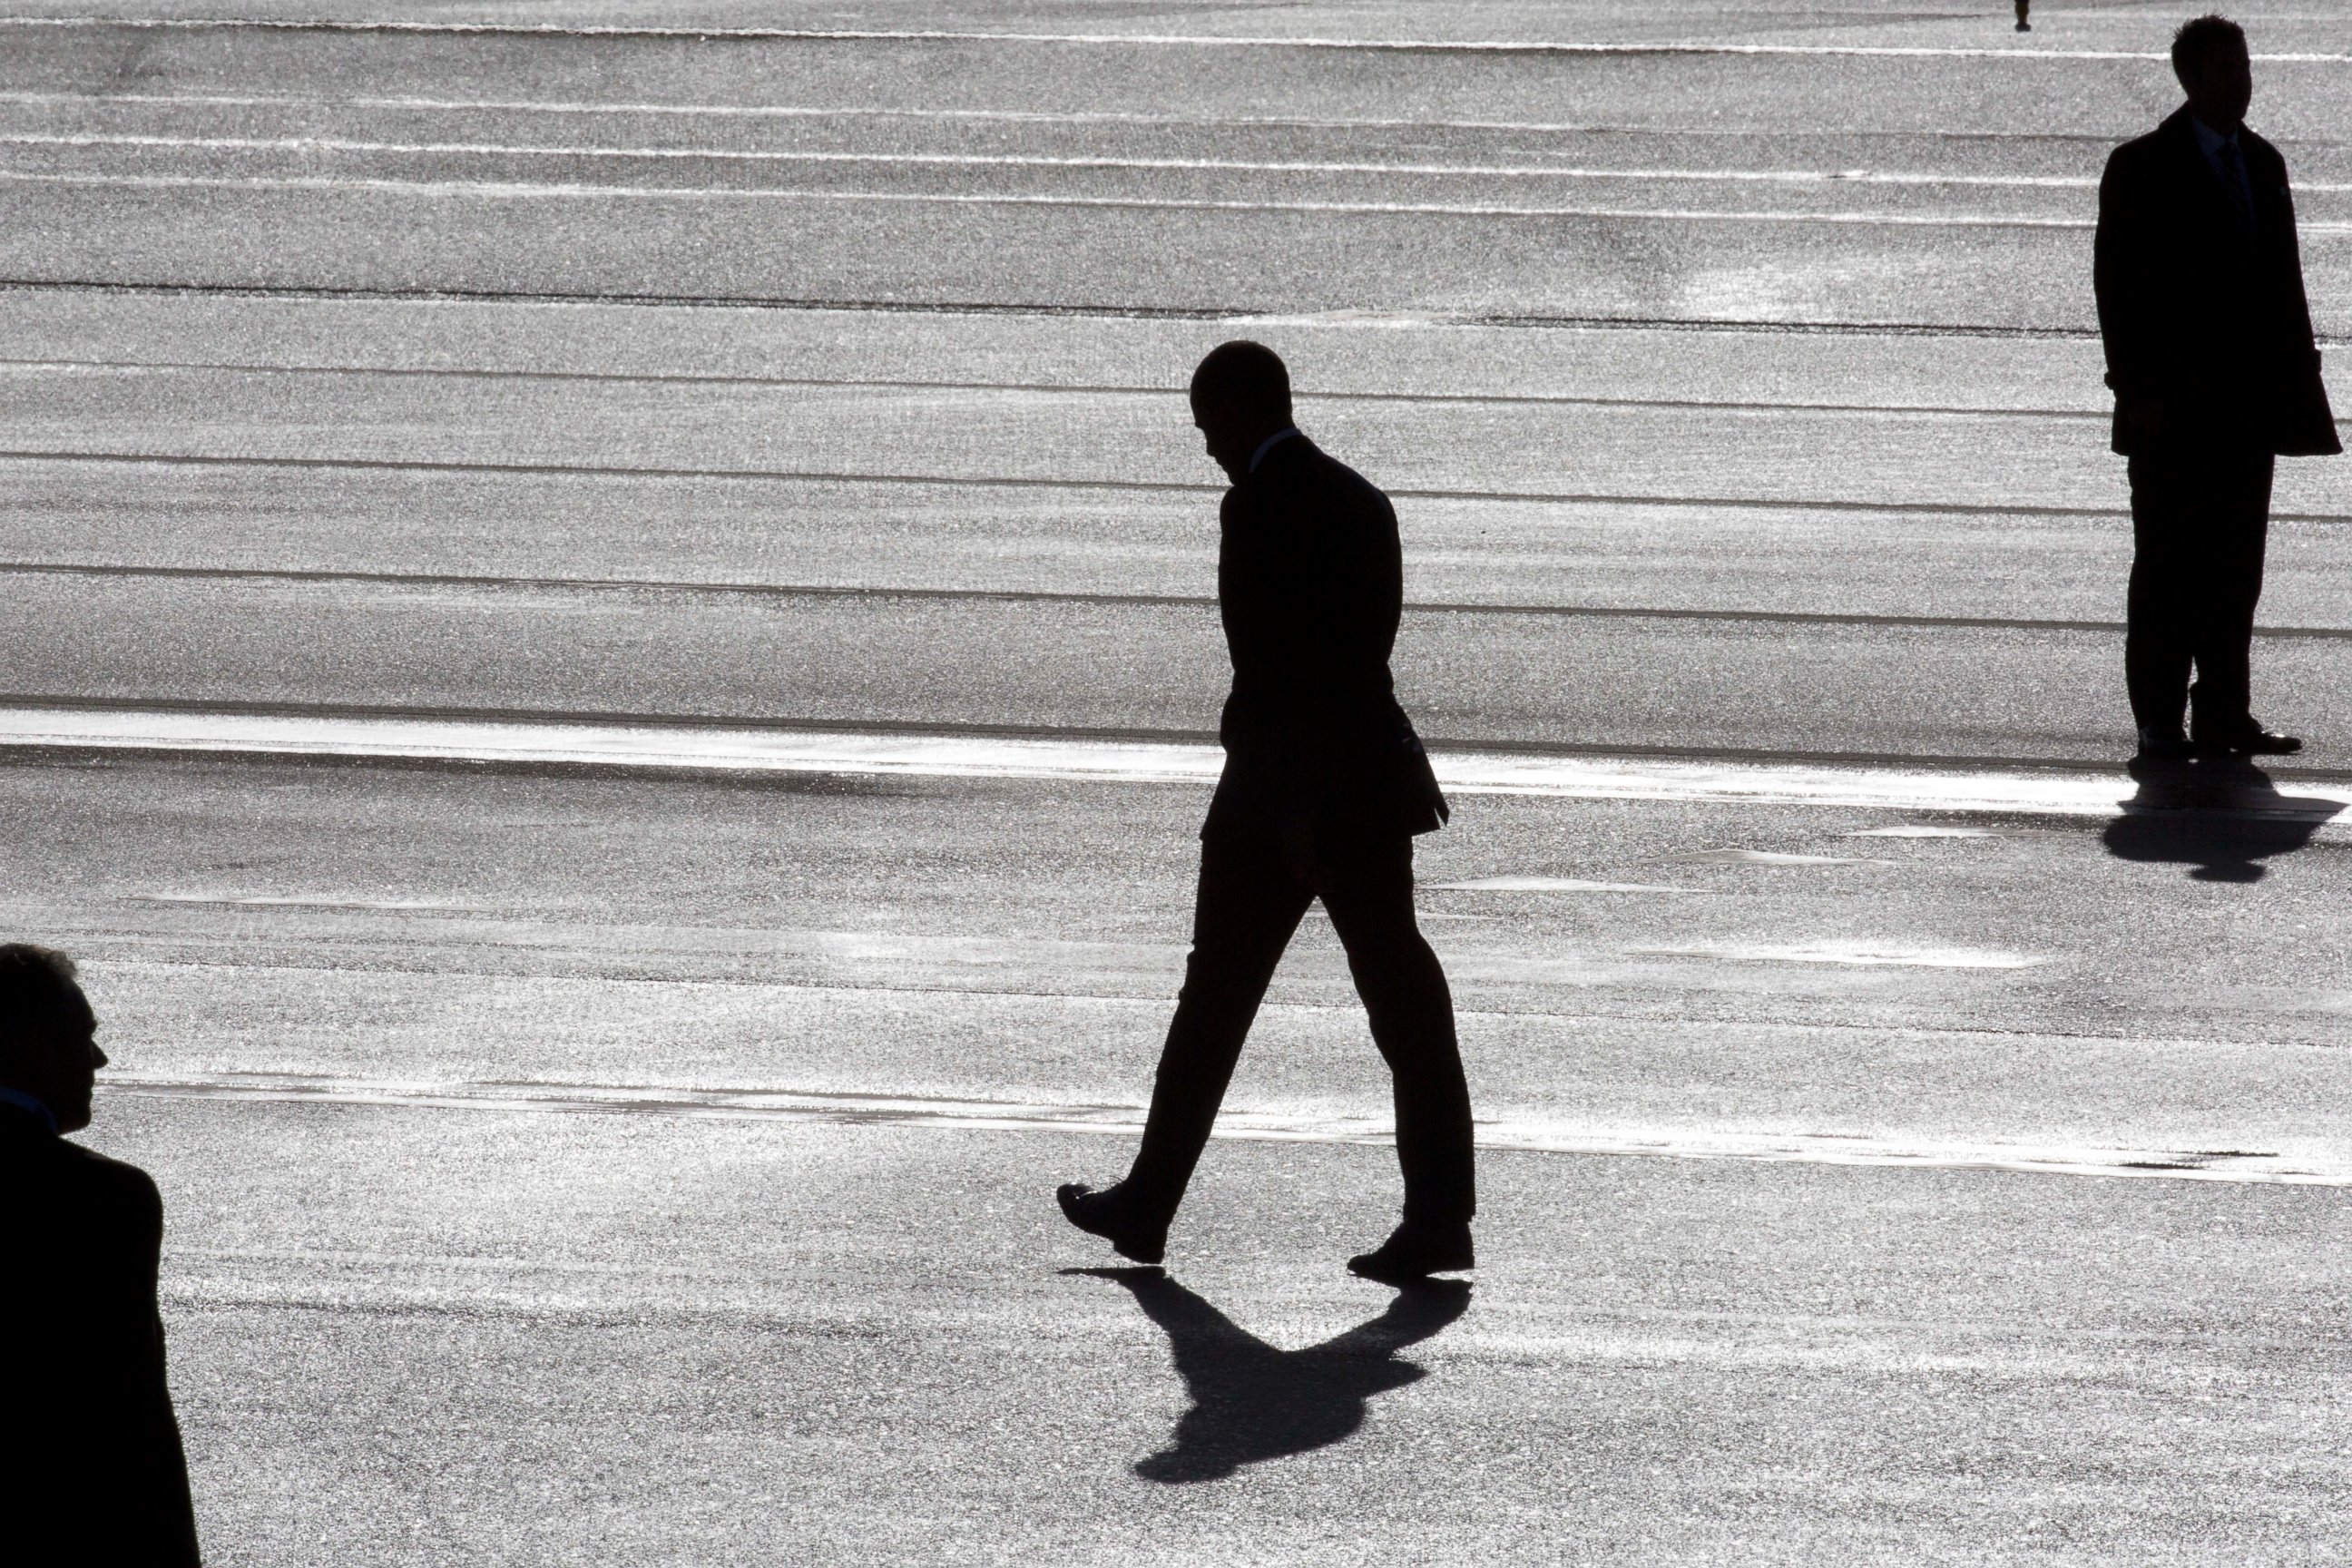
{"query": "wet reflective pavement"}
[(611, 673)]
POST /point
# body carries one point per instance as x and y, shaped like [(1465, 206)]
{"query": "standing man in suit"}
[(1325, 786), (2210, 354), (94, 1471)]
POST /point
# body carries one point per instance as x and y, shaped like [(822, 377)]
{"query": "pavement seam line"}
[(1024, 117), (1056, 389), (1495, 1136), (1052, 311), (1148, 486), (1156, 1001), (1900, 179), (522, 190)]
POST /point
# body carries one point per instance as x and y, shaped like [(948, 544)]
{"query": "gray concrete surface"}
[(677, 1342), (1105, 665), (577, 1168), (846, 935)]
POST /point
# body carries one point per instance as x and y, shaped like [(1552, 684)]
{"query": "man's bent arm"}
[(2129, 329)]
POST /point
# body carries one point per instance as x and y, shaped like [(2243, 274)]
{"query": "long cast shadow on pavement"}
[(2222, 817), (1252, 1402)]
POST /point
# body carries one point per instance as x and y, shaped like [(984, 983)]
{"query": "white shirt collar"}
[(1285, 434)]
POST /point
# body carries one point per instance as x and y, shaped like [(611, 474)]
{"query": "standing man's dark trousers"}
[(2198, 524), (1252, 898)]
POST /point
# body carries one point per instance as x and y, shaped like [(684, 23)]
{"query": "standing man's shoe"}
[(1415, 1252), (2164, 743), (1102, 1213), (2251, 740)]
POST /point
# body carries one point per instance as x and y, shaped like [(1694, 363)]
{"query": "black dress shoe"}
[(1102, 1213), (1414, 1252), (2165, 743), (2254, 741)]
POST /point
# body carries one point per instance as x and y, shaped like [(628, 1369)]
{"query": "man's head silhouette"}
[(1241, 395), (49, 1035), (2209, 56)]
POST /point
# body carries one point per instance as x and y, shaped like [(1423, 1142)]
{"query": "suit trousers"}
[(1252, 895), (2200, 520)]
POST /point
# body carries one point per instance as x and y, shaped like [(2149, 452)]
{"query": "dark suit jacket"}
[(2202, 313), (94, 1472), (1310, 581)]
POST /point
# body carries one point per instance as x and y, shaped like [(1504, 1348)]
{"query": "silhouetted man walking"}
[(1325, 786), (94, 1472), (2215, 373)]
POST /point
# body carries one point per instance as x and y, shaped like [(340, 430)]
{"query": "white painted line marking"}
[(1017, 117), (651, 747), (293, 901), (1524, 1135), (1770, 857), (565, 191), (1860, 955), (659, 748), (1551, 885), (1152, 40), (1921, 830), (307, 144)]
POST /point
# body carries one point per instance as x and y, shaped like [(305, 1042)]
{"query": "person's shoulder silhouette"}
[(1303, 474), (94, 1471)]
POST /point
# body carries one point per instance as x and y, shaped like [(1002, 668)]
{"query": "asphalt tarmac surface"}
[(611, 644)]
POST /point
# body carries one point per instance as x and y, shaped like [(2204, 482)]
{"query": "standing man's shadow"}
[(1252, 1402), (2221, 816)]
